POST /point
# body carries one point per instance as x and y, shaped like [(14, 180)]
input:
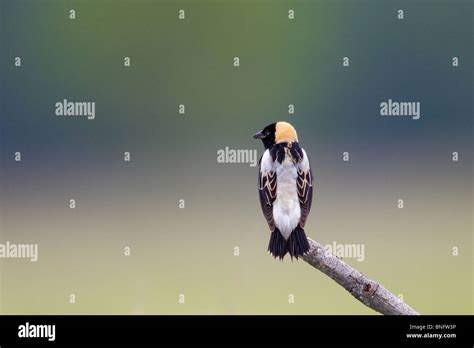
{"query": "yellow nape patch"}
[(285, 133)]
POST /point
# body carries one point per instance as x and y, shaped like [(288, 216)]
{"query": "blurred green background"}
[(191, 251)]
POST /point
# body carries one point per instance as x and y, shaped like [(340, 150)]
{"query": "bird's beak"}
[(259, 135)]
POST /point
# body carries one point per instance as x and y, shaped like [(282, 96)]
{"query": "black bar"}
[(288, 330)]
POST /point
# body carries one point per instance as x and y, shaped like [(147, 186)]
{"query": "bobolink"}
[(285, 187)]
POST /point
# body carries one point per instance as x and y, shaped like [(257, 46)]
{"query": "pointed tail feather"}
[(297, 243), (277, 246)]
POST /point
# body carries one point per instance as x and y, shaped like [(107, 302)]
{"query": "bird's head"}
[(276, 133)]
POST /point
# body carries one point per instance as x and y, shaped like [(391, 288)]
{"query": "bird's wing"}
[(267, 186), (304, 184)]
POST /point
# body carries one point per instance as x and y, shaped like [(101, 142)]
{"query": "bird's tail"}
[(297, 244), (277, 245)]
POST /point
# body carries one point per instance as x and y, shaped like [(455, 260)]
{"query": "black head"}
[(267, 135)]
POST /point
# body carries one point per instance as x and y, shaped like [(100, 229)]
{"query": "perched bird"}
[(285, 187)]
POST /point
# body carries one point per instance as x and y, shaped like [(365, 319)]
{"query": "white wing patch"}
[(304, 164), (266, 165)]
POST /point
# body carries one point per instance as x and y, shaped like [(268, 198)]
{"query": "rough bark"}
[(367, 291)]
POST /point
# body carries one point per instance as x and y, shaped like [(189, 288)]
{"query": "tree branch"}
[(367, 291)]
